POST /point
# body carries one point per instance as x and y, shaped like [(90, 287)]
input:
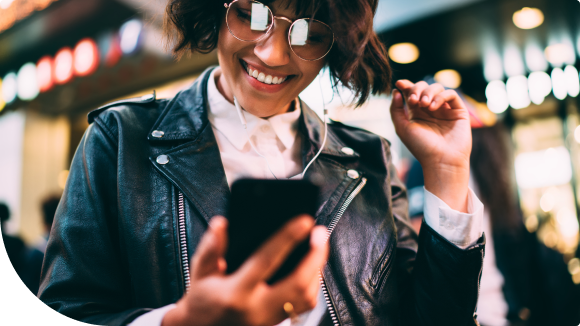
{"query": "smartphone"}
[(260, 207)]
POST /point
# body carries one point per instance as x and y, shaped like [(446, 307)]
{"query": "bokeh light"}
[(559, 86), (513, 61), (44, 74), (572, 80), (497, 98), (130, 34), (517, 90), (528, 18), (404, 53), (27, 84), (86, 57), (9, 87), (535, 59), (63, 66), (540, 86), (559, 53), (449, 78)]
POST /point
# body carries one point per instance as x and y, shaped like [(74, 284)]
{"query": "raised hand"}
[(434, 125), (244, 297)]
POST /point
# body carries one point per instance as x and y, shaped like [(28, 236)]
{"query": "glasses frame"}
[(229, 5)]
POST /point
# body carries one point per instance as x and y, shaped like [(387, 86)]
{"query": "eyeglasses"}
[(251, 21)]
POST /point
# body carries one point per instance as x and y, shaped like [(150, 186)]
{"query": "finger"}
[(268, 258), (398, 114), (449, 97), (429, 93), (303, 283), (414, 95), (404, 85), (208, 258)]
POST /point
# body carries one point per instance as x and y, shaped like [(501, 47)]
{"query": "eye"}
[(243, 15), (315, 39)]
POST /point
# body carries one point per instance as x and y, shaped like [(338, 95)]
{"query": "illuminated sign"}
[(12, 11), (86, 57)]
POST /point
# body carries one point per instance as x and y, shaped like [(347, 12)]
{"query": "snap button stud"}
[(157, 133), (347, 150), (353, 174), (162, 159), (147, 97)]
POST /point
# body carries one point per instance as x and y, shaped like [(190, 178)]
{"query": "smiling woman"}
[(357, 58), (151, 180)]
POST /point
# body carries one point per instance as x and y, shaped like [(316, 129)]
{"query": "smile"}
[(263, 77)]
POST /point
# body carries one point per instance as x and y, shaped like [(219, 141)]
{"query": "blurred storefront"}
[(58, 61)]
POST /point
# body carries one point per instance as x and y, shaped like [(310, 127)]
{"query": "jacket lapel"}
[(194, 167)]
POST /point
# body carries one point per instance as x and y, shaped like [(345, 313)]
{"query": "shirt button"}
[(347, 150), (353, 174), (162, 159), (265, 128), (157, 133)]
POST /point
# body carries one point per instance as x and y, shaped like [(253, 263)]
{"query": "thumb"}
[(398, 115), (209, 255)]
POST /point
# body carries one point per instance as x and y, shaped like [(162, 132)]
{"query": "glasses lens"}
[(248, 20), (310, 39)]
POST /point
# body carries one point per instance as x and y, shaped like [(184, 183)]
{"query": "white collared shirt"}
[(277, 138)]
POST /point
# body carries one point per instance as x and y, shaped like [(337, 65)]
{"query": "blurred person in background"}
[(49, 206), (27, 262), (144, 167), (523, 282)]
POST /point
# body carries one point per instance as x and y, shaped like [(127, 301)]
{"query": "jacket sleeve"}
[(438, 281), (84, 275)]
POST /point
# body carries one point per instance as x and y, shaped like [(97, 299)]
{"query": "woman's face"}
[(272, 56)]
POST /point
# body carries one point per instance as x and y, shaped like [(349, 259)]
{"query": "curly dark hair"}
[(358, 58)]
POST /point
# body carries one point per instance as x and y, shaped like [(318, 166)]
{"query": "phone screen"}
[(257, 209)]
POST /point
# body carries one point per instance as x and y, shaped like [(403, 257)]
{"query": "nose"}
[(274, 50)]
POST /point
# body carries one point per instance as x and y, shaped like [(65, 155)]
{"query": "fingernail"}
[(425, 99), (318, 238), (216, 221), (413, 97)]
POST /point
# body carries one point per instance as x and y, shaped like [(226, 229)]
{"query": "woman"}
[(151, 175)]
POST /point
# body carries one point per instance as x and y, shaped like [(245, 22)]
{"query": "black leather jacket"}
[(127, 223)]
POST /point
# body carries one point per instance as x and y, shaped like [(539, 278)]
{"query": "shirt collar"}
[(224, 117)]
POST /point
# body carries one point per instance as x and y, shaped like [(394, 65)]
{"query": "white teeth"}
[(266, 79)]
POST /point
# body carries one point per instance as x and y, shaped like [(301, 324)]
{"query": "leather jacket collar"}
[(185, 119)]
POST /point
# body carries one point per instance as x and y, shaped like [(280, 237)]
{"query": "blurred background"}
[(514, 62)]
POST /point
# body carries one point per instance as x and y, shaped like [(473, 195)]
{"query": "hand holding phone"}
[(243, 298)]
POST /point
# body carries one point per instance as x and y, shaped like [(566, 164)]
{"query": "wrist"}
[(173, 317), (450, 184)]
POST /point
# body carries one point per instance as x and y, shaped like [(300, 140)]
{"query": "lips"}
[(263, 77)]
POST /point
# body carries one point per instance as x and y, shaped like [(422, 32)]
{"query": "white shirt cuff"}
[(153, 317), (462, 229)]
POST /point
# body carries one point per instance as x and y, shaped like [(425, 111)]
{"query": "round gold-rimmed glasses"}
[(252, 21)]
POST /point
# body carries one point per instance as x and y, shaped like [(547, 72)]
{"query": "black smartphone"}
[(257, 209)]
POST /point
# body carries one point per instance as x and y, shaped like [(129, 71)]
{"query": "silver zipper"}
[(331, 227), (183, 242)]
